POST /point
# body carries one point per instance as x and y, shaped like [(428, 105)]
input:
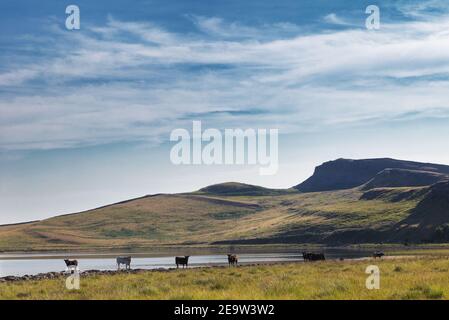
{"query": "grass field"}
[(401, 278)]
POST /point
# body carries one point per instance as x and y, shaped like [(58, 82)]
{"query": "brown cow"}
[(233, 259), (183, 261)]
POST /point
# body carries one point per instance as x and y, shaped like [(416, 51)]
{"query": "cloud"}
[(333, 18), (422, 9), (220, 28), (132, 81)]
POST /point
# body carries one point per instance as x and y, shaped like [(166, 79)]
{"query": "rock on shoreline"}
[(55, 275)]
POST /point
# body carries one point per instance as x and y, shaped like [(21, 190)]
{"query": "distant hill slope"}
[(345, 173), (159, 219), (392, 207), (239, 189), (404, 178)]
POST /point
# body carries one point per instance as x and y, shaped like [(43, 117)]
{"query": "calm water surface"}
[(11, 265)]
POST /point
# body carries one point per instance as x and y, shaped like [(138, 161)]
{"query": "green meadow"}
[(400, 278)]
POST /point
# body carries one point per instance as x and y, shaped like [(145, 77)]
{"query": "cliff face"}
[(345, 173), (433, 209), (429, 220)]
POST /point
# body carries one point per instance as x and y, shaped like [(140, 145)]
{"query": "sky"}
[(86, 115)]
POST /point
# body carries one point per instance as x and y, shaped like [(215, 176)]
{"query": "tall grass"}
[(400, 279)]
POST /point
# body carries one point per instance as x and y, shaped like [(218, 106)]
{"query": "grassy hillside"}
[(404, 178), (201, 218), (370, 201), (241, 189), (321, 280)]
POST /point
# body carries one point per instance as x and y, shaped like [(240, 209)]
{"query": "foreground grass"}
[(412, 278)]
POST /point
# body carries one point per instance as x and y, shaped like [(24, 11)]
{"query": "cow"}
[(124, 260), (183, 261), (233, 259), (71, 263), (378, 254), (309, 256)]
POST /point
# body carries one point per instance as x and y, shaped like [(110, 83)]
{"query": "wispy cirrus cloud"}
[(422, 9), (134, 81), (219, 28), (333, 18)]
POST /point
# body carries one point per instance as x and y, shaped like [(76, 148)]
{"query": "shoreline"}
[(213, 249), (95, 272)]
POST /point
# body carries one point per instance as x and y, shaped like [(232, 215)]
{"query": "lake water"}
[(20, 265)]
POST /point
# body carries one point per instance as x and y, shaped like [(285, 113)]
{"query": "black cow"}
[(183, 261), (378, 254), (233, 259), (309, 256)]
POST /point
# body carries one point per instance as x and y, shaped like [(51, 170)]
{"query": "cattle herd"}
[(232, 260), (310, 256)]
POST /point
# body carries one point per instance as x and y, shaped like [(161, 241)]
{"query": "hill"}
[(393, 205), (240, 189), (346, 173), (336, 217), (430, 218), (143, 221)]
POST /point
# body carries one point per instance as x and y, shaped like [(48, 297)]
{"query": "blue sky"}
[(85, 115)]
